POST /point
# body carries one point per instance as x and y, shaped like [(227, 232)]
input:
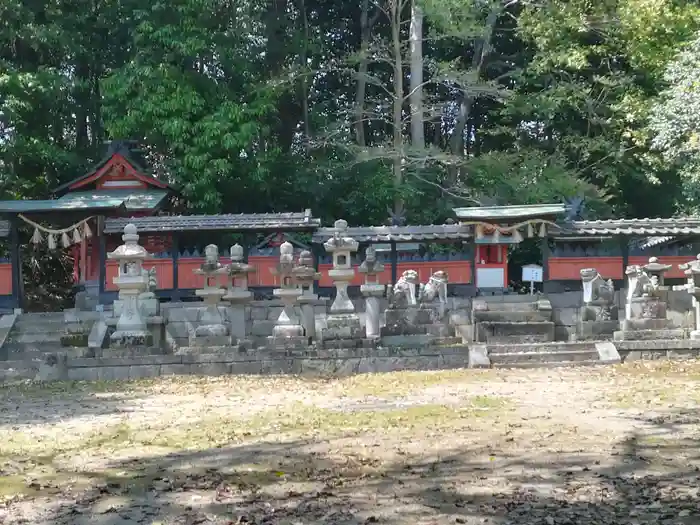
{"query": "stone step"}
[(39, 326), (547, 347), (512, 317), (31, 356), (36, 338), (557, 364), (544, 357), (647, 335)]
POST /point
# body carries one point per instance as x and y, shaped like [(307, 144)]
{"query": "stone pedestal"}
[(211, 329), (372, 294), (288, 330), (238, 299), (308, 317), (647, 320)]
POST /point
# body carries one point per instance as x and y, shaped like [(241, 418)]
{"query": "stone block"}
[(459, 317), (451, 361), (280, 366), (179, 329), (566, 316), (113, 373), (144, 371), (607, 353), (346, 367), (273, 313), (210, 369), (407, 340), (183, 314), (174, 370), (640, 335), (596, 330), (246, 368), (478, 357), (259, 313), (262, 328), (563, 332), (439, 330), (83, 374), (645, 324), (318, 367)]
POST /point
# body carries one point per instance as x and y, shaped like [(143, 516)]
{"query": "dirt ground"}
[(608, 445)]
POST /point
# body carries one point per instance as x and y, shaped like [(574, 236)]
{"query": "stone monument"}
[(343, 324), (599, 316), (288, 329), (372, 291), (131, 281), (211, 329), (238, 295), (692, 286), (646, 304), (403, 317), (304, 275)]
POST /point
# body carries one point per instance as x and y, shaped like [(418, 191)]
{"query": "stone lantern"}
[(343, 322), (692, 286), (238, 295), (304, 275), (372, 292), (211, 329), (131, 281), (288, 325)]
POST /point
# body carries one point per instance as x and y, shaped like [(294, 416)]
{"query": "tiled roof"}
[(241, 222), (432, 232), (484, 213), (645, 227)]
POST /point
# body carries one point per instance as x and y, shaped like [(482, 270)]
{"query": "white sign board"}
[(532, 273)]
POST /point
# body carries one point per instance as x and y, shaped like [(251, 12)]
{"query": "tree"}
[(675, 122)]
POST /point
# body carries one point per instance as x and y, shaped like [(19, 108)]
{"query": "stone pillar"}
[(131, 281), (288, 329), (372, 291), (211, 329), (343, 322), (305, 275), (238, 294), (692, 286)]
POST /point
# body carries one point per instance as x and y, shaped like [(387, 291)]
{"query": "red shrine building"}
[(87, 215)]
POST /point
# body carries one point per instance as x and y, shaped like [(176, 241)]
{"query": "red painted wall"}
[(458, 272), (5, 279), (568, 268)]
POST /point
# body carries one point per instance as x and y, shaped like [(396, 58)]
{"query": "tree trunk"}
[(481, 50), (398, 156), (304, 79), (416, 90), (362, 68)]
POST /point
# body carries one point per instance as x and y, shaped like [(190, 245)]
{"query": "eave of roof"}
[(634, 227), (528, 211), (241, 222), (133, 199), (56, 205), (379, 234)]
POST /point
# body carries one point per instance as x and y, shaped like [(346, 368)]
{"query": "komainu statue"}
[(403, 293), (435, 288), (641, 284), (595, 288)]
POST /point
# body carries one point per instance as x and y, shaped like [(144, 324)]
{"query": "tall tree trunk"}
[(416, 89), (304, 78), (82, 104), (398, 154), (481, 50), (362, 68)]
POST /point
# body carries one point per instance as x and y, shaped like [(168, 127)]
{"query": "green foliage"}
[(675, 122)]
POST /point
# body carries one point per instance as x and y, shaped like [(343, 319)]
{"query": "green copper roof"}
[(132, 199), (527, 211), (90, 200), (40, 206)]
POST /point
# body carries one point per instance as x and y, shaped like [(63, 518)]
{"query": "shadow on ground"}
[(649, 477)]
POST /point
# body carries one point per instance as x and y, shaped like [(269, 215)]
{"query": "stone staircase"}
[(542, 355), (33, 336)]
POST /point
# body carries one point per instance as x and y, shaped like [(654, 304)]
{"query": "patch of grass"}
[(397, 384)]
